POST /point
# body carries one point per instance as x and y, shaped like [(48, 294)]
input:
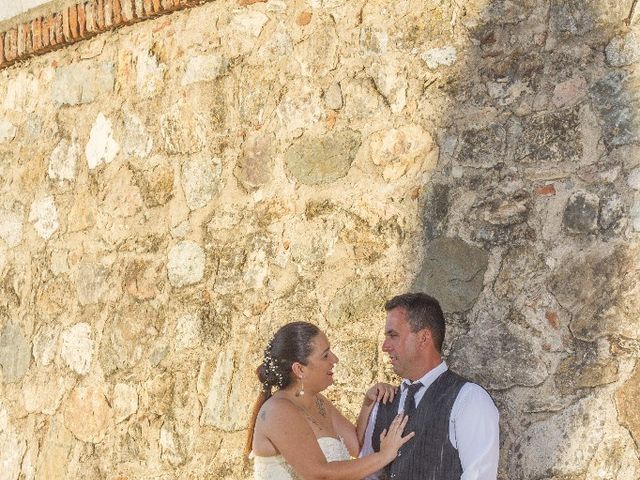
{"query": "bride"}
[(296, 433)]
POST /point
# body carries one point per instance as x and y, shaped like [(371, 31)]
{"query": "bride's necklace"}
[(321, 409)]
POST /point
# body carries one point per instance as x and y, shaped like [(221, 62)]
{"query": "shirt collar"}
[(428, 378)]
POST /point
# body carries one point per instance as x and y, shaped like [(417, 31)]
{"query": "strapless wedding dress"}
[(275, 468)]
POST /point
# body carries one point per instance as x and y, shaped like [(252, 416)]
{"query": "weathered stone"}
[(15, 353), (125, 401), (255, 165), (453, 272), (333, 96), (361, 298), (314, 161), (301, 108), (137, 140), (498, 353), (224, 397), (101, 147), (141, 279), (552, 137), (183, 131), (611, 215), (373, 40), (7, 131), (171, 446), (564, 443), (204, 69), (186, 262), (91, 282), (402, 149), (82, 82), (581, 213), (584, 370), (12, 449), (42, 392), (633, 180), (63, 161), (83, 212), (249, 22), (391, 83), (569, 92), (615, 101), (435, 57), (482, 147), (121, 196), (149, 74), (45, 345), (77, 348), (598, 287), (627, 404), (44, 216), (87, 413), (54, 460), (10, 228), (623, 50), (200, 180), (436, 210), (155, 179), (188, 331), (634, 213)]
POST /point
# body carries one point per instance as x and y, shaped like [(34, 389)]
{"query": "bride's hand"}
[(380, 392), (391, 439)]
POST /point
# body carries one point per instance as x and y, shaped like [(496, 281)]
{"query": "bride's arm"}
[(380, 392)]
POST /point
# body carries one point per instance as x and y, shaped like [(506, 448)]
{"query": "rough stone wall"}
[(172, 192)]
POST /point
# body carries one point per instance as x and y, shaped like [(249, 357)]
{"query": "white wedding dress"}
[(275, 468)]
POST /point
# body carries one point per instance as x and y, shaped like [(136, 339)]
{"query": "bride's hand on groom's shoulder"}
[(382, 392)]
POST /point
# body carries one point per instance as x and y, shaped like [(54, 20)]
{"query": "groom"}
[(456, 421)]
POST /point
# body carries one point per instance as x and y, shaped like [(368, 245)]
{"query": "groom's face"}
[(401, 343)]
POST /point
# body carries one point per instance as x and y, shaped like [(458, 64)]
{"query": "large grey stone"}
[(186, 262), (82, 82), (550, 137), (616, 103), (436, 210), (623, 50), (598, 287), (581, 213), (453, 272), (15, 353), (482, 147), (200, 179), (499, 353), (314, 161)]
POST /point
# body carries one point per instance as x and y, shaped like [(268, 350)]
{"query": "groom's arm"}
[(476, 430)]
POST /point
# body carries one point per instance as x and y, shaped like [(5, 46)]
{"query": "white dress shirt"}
[(473, 427)]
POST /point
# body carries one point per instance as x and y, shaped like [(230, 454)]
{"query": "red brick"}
[(116, 12), (127, 10), (546, 190), (167, 5), (82, 21), (66, 31), (148, 7), (99, 14), (44, 32), (51, 28), (73, 22), (22, 40), (108, 13), (90, 14), (11, 45), (58, 28), (157, 6), (36, 34), (1, 48)]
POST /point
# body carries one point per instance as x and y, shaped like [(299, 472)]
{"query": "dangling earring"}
[(301, 392)]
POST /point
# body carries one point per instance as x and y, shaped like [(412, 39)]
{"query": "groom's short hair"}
[(423, 311)]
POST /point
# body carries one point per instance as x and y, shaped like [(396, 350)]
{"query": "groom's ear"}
[(425, 337)]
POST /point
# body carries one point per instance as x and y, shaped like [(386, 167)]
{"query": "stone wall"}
[(172, 192)]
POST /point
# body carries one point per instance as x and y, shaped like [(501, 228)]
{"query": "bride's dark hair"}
[(292, 343)]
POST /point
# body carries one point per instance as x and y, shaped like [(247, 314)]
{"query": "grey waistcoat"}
[(429, 455)]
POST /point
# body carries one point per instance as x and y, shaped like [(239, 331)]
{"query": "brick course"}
[(80, 21)]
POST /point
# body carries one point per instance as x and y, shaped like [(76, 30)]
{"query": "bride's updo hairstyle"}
[(291, 343)]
